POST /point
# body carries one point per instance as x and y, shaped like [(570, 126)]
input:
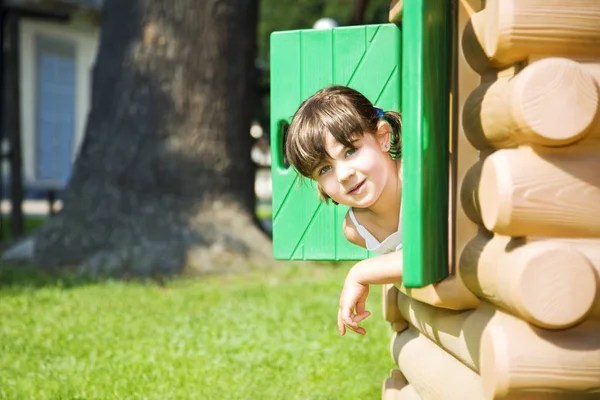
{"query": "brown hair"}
[(344, 113)]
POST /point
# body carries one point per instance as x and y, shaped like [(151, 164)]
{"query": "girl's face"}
[(356, 177)]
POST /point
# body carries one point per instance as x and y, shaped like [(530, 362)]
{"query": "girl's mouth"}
[(356, 189)]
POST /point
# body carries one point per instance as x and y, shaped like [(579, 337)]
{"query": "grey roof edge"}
[(83, 5)]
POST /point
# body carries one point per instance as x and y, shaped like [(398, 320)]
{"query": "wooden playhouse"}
[(520, 317), (514, 311)]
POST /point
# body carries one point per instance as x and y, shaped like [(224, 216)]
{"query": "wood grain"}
[(588, 247), (457, 332), (469, 198), (433, 372), (408, 392), (542, 192), (517, 28), (389, 306), (392, 385), (547, 283), (552, 102), (395, 15), (519, 361)]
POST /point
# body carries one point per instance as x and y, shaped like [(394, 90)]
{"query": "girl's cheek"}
[(328, 186)]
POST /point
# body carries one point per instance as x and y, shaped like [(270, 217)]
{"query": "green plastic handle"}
[(277, 155)]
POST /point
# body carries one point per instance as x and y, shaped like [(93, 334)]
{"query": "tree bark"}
[(358, 12), (164, 179)]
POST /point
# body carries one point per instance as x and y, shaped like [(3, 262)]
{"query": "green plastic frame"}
[(426, 72), (366, 58), (427, 38)]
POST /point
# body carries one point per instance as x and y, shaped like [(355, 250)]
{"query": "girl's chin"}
[(365, 202)]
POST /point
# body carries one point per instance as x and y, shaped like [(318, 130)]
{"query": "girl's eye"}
[(324, 169), (349, 152)]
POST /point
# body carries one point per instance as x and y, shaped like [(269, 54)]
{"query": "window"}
[(55, 63), (390, 65), (55, 108)]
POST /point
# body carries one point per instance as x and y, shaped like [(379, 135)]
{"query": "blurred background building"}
[(56, 43)]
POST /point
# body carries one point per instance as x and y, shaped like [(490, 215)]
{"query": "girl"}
[(353, 152)]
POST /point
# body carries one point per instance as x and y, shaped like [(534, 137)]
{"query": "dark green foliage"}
[(280, 15)]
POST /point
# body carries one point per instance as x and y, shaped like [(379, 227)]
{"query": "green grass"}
[(269, 335), (264, 212), (30, 223)]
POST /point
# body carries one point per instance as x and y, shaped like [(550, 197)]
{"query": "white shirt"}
[(390, 244)]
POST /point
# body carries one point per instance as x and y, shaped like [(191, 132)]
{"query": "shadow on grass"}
[(30, 223), (19, 277)]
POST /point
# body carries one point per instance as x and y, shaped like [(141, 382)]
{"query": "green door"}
[(366, 58)]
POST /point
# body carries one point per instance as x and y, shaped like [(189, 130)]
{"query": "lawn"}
[(254, 336), (30, 223)]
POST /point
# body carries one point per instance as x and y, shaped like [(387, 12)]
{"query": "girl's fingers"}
[(347, 318), (341, 326), (361, 317), (360, 331), (352, 321), (360, 307)]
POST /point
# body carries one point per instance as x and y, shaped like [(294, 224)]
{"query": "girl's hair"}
[(344, 113)]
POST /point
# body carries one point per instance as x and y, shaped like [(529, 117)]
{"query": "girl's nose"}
[(344, 172)]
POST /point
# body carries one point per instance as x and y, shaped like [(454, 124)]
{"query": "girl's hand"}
[(352, 306), (371, 271)]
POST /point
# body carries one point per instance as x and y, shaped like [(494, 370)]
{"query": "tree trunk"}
[(358, 12), (164, 181)]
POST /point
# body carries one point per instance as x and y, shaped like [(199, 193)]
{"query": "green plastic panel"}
[(427, 41), (366, 58)]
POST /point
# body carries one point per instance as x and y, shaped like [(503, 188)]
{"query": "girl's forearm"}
[(378, 270)]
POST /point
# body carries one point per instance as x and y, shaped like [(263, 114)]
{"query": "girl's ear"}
[(384, 135)]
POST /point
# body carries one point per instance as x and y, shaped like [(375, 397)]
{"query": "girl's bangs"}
[(307, 145), (311, 146), (311, 152)]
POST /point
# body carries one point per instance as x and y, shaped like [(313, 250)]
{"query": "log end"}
[(468, 193), (497, 44), (399, 326), (408, 392), (495, 192), (391, 387), (520, 361), (472, 43), (555, 101), (389, 303), (556, 286), (395, 13), (494, 360)]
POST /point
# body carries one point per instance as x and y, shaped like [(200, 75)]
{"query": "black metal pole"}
[(13, 117), (2, 155), (51, 197)]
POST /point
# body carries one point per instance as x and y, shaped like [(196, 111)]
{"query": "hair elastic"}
[(379, 112)]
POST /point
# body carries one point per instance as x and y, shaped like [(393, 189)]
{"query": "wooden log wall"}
[(528, 223)]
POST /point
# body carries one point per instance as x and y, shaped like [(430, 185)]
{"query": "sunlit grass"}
[(257, 336), (264, 212)]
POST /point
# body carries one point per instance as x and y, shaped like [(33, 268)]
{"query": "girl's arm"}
[(383, 269), (378, 270)]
